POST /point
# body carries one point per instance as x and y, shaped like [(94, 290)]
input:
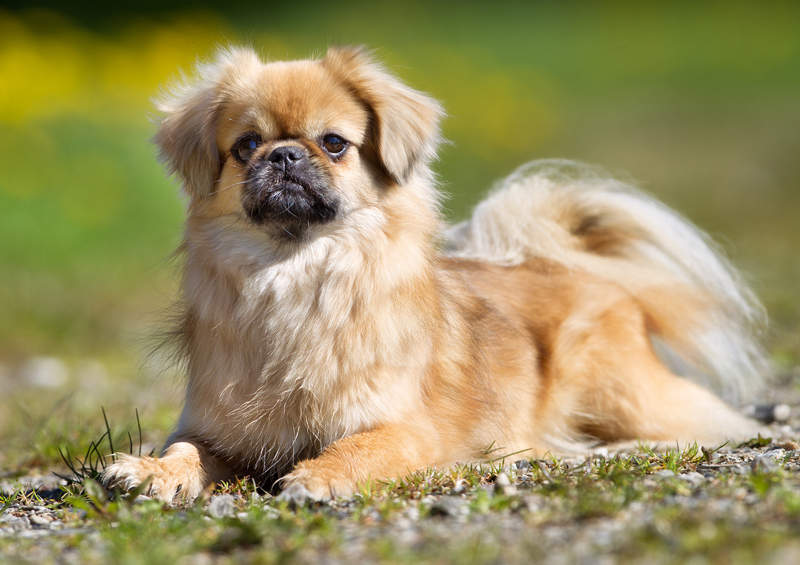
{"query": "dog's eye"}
[(334, 145), (245, 146)]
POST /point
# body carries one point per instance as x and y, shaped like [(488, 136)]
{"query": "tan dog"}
[(335, 333)]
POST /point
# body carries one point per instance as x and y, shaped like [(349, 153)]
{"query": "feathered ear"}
[(406, 121), (186, 136)]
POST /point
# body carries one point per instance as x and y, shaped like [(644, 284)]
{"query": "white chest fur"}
[(289, 352)]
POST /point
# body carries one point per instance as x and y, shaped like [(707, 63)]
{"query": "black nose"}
[(286, 156)]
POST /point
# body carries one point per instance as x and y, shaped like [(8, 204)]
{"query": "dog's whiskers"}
[(228, 187)]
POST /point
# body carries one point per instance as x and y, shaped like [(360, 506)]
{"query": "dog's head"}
[(290, 145)]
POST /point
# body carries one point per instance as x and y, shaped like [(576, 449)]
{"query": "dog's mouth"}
[(292, 184), (288, 199)]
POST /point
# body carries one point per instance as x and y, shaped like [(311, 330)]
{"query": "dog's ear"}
[(405, 121), (186, 135)]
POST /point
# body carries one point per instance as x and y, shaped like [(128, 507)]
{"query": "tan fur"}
[(357, 350)]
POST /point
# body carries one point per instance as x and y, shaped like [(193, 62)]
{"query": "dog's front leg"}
[(385, 452), (181, 473)]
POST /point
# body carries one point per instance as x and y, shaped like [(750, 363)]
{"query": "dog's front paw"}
[(307, 483), (166, 479), (297, 494)]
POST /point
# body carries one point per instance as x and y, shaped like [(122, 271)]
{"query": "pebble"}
[(664, 474), (782, 412), (694, 478), (769, 413), (44, 372), (450, 506), (534, 502), (18, 523), (503, 485), (502, 481), (41, 520), (412, 513), (764, 464), (776, 453), (221, 505), (523, 465), (428, 500)]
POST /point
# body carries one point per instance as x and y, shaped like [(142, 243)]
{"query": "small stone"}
[(776, 454), (764, 464), (449, 506), (523, 465), (45, 372), (428, 500), (40, 520), (781, 412), (694, 478), (221, 505), (503, 485), (533, 502), (664, 474), (789, 445), (460, 486), (19, 523), (768, 413)]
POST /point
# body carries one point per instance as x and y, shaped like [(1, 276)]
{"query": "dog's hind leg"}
[(662, 407), (611, 385)]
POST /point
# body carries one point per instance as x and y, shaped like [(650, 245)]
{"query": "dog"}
[(336, 330)]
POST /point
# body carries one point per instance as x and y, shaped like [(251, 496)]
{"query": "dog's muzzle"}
[(285, 187)]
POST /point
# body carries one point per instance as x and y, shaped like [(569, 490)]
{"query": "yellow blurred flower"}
[(52, 67)]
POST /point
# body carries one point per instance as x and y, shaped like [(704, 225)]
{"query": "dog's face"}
[(290, 145)]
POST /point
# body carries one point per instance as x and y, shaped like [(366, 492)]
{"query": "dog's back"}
[(703, 317)]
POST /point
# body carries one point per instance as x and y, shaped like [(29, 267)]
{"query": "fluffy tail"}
[(703, 317)]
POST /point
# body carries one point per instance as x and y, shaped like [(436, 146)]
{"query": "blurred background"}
[(699, 103)]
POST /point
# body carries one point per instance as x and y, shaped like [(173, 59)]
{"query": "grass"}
[(39, 426), (407, 520)]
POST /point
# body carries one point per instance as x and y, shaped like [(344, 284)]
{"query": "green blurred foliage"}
[(697, 101)]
